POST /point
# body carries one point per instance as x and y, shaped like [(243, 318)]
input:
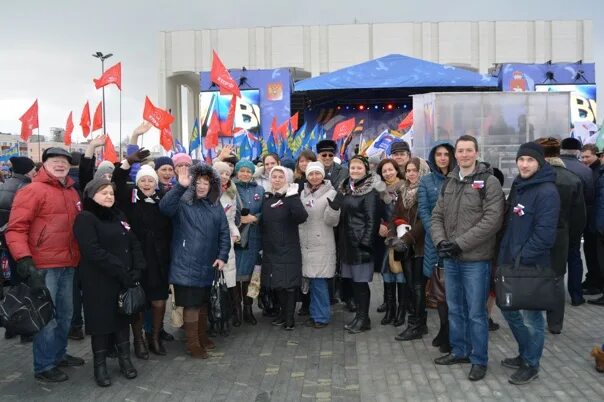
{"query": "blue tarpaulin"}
[(397, 71)]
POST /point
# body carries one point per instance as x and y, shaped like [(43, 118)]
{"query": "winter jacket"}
[(281, 255), (531, 220), (591, 218), (388, 198), (572, 217), (359, 220), (231, 204), (463, 216), (200, 231), (599, 204), (86, 171), (251, 195), (317, 239), (584, 173), (8, 189), (41, 222), (111, 259), (152, 229), (427, 195), (336, 175)]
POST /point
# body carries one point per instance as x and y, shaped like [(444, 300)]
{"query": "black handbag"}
[(132, 300), (244, 236), (220, 300), (25, 313), (527, 287)]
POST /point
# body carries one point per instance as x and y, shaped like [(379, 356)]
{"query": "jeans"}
[(50, 344), (389, 277), (77, 320), (320, 308), (467, 288), (575, 272), (528, 327)]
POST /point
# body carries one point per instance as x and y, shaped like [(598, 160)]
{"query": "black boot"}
[(403, 296), (100, 368), (389, 295), (290, 308), (384, 306), (140, 345), (354, 296), (443, 333), (279, 321), (123, 356), (363, 323), (236, 297), (417, 327)]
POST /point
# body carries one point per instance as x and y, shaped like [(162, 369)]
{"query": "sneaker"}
[(524, 375), (512, 362), (52, 375), (76, 334), (70, 361)]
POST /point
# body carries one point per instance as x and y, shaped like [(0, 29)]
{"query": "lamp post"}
[(103, 57)]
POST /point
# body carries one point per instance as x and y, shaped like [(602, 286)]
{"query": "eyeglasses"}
[(326, 155)]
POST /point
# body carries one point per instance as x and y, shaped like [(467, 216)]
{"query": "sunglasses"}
[(326, 155)]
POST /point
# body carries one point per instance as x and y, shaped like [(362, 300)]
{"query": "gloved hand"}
[(138, 156), (448, 249), (26, 267), (336, 203)]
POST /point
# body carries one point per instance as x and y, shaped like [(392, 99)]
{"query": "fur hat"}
[(315, 167), (551, 146), (21, 164), (533, 150), (196, 171), (146, 170), (327, 146), (105, 167)]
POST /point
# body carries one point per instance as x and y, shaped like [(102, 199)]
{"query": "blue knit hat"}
[(163, 160), (244, 163)]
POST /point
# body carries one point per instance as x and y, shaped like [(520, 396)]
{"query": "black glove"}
[(448, 249), (138, 156), (26, 267), (336, 203)]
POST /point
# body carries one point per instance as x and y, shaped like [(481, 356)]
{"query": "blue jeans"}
[(528, 327), (575, 272), (320, 309), (50, 344), (467, 289), (389, 277)]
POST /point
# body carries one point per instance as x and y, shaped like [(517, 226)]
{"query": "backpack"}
[(23, 313), (482, 191)]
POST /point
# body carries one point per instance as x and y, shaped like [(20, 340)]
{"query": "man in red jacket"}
[(40, 238)]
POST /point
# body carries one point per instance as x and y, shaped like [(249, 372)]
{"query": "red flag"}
[(109, 153), (113, 75), (97, 121), (85, 120), (342, 129), (407, 122), (282, 129), (294, 122), (227, 128), (211, 140), (29, 121), (275, 130), (68, 129), (159, 118), (165, 138), (221, 77)]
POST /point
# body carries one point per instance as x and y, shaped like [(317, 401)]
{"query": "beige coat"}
[(231, 204), (317, 233)]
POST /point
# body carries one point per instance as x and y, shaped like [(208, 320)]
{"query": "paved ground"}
[(265, 363)]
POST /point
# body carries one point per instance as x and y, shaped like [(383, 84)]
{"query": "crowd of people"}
[(315, 230)]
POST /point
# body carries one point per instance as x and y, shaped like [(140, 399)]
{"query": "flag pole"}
[(39, 144), (121, 155)]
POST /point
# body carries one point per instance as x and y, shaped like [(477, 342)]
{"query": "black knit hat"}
[(95, 184), (571, 144), (327, 146), (533, 150), (22, 164)]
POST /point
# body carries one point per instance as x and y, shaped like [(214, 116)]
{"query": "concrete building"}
[(478, 46), (36, 149)]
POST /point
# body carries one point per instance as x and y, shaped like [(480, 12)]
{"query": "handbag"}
[(253, 289), (436, 290), (25, 313), (244, 236), (220, 300), (395, 266), (176, 314), (526, 287), (132, 300)]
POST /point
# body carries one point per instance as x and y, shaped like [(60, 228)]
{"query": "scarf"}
[(392, 182), (409, 194), (313, 189)]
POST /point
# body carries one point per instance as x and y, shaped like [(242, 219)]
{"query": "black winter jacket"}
[(8, 189)]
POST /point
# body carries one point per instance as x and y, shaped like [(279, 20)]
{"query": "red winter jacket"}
[(41, 222)]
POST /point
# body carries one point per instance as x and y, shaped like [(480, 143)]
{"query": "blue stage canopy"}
[(397, 71)]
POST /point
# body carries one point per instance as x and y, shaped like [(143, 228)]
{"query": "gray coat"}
[(461, 215), (317, 239)]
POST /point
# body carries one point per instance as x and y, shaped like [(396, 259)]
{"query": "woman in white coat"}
[(229, 199), (318, 242)]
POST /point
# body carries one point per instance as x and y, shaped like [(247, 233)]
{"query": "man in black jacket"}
[(571, 223), (594, 283)]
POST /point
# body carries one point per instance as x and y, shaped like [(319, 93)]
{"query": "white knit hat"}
[(146, 170), (315, 167)]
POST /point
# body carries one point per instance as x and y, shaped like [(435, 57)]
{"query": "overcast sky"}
[(46, 46)]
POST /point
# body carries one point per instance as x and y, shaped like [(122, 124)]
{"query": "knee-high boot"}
[(236, 297), (390, 297), (140, 346), (280, 305), (248, 304), (123, 357), (156, 344), (442, 339), (384, 306), (361, 289), (290, 308), (100, 345), (417, 327), (402, 291)]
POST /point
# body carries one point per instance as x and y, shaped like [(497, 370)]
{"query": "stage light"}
[(361, 107), (376, 107), (390, 106), (404, 106), (347, 107), (339, 107)]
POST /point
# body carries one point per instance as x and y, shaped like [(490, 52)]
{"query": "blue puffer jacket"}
[(599, 204), (427, 194), (531, 235), (251, 195), (200, 231)]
